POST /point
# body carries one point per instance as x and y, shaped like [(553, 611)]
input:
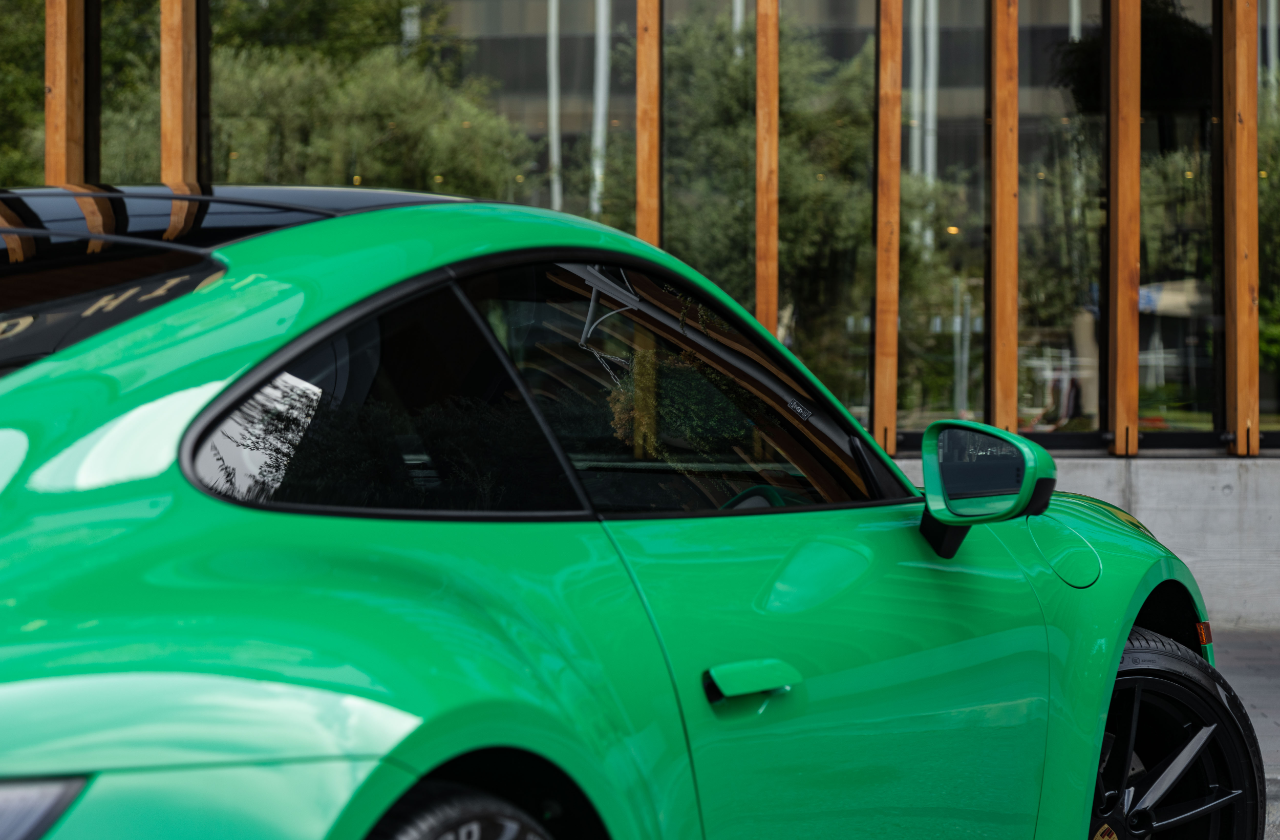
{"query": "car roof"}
[(222, 214), (66, 249)]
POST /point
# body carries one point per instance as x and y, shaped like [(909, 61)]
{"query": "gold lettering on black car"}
[(164, 290), (10, 328), (109, 302)]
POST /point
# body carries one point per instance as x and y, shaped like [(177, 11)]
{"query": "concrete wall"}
[(1220, 515)]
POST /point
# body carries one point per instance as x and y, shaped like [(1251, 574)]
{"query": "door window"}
[(408, 410), (659, 402)]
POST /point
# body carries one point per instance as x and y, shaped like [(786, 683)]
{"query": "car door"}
[(462, 573), (837, 678)]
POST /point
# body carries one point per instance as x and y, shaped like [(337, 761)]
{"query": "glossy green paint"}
[(1037, 463), (924, 699), (233, 642), (287, 801), (1087, 629)]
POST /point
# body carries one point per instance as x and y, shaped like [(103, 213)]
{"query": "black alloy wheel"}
[(450, 812), (1180, 759)]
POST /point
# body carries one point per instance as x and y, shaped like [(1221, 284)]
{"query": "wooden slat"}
[(18, 247), (1003, 317), (884, 402), (178, 92), (767, 164), (1124, 215), (64, 92), (98, 215), (1240, 219), (649, 121)]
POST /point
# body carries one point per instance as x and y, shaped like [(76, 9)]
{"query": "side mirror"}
[(975, 474)]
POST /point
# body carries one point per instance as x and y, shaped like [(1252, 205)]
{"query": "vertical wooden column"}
[(1240, 219), (649, 121), (64, 92), (1003, 316), (888, 211), (182, 87), (1124, 197), (767, 164)]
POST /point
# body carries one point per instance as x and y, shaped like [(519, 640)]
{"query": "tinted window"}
[(660, 403), (409, 410)]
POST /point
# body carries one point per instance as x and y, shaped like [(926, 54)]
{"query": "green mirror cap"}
[(1031, 463)]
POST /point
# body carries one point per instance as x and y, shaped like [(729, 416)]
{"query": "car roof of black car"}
[(115, 252), (221, 214)]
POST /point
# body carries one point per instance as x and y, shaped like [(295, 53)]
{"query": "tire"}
[(462, 814), (1194, 769)]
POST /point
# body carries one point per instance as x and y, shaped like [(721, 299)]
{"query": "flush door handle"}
[(752, 676)]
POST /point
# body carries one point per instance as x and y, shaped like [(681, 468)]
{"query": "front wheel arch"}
[(1171, 611), (521, 778)]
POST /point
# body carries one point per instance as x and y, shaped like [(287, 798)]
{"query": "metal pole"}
[(931, 91), (553, 101), (1273, 48), (1073, 18), (966, 331), (958, 372), (916, 133), (739, 21), (600, 106)]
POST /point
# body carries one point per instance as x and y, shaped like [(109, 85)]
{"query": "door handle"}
[(751, 676)]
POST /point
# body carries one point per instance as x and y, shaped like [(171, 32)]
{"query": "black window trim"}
[(438, 279)]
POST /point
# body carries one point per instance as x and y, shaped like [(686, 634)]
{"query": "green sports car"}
[(344, 513)]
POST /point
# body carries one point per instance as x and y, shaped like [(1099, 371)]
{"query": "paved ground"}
[(1250, 660)]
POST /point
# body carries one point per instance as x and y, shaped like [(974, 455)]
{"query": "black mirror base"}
[(945, 539), (1041, 496)]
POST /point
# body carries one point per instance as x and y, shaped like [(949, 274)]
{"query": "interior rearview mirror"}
[(975, 474)]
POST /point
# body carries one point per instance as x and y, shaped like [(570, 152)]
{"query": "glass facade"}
[(1062, 182), (21, 92), (531, 102), (130, 120), (826, 189), (942, 282), (1269, 214), (709, 140), (1179, 297)]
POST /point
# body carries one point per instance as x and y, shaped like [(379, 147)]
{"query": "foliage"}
[(21, 89)]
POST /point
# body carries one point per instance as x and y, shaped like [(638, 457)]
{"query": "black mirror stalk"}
[(945, 539)]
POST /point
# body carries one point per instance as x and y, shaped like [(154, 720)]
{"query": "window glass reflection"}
[(661, 405), (1179, 326), (411, 410), (942, 335), (826, 181), (1062, 215)]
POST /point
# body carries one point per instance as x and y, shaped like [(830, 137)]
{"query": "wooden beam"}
[(1240, 220), (1003, 315), (1124, 196), (649, 121), (884, 401), (179, 97), (178, 93), (767, 164), (17, 246), (64, 92)]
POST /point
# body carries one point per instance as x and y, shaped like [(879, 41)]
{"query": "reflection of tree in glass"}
[(269, 425)]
